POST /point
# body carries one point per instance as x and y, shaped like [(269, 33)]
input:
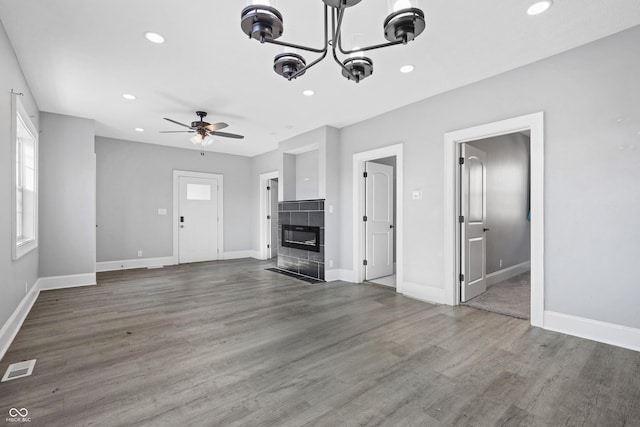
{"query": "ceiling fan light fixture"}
[(357, 68), (289, 65), (262, 21)]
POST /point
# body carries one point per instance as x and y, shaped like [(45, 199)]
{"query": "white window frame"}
[(18, 112)]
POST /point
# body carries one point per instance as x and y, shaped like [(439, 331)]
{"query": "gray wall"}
[(13, 274), (67, 196), (289, 180), (509, 238), (134, 180), (592, 167), (307, 175)]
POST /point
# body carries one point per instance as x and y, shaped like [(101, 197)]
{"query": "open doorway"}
[(270, 195), (272, 220), (380, 213), (495, 229), (387, 222), (534, 124)]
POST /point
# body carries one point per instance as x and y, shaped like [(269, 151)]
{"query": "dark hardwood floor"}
[(231, 344)]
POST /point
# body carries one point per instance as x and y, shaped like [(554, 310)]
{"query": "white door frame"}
[(359, 160), (264, 179), (535, 124), (177, 174)]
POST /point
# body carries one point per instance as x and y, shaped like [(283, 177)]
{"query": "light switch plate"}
[(162, 211)]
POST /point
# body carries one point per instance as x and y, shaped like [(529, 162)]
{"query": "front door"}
[(379, 224), (473, 226), (198, 216)]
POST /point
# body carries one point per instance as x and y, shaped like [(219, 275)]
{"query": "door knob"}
[(486, 229), (391, 226)]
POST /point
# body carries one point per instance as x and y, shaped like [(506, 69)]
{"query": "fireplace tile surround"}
[(300, 261)]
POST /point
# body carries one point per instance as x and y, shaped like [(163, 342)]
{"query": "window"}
[(25, 173)]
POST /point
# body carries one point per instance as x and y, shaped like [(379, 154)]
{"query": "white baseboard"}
[(64, 282), (339, 274), (129, 264), (608, 333), (14, 323), (507, 273), (423, 292), (241, 254)]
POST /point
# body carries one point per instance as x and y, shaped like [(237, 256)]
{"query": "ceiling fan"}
[(204, 131)]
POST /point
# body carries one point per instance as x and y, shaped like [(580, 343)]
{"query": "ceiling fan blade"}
[(178, 123), (177, 131), (216, 126), (226, 135)]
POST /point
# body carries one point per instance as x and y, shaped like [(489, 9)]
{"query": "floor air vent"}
[(19, 370)]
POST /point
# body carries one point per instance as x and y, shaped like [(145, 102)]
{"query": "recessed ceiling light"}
[(407, 69), (139, 130), (154, 37), (308, 92), (539, 7), (129, 96)]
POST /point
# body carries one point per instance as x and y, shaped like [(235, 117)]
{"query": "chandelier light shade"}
[(262, 21)]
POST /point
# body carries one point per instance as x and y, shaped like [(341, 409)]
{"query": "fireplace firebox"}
[(301, 237)]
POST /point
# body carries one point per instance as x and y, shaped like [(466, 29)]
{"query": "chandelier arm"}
[(309, 49), (336, 40), (306, 67), (296, 46), (326, 46), (365, 49)]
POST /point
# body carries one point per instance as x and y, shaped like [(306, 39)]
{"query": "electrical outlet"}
[(26, 287), (139, 253), (500, 263), (330, 263)]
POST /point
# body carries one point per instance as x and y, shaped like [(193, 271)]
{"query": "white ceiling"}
[(79, 57)]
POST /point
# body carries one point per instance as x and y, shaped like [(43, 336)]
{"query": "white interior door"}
[(271, 221), (380, 222), (198, 219), (473, 228)]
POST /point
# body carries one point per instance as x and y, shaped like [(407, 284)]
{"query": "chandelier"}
[(262, 21)]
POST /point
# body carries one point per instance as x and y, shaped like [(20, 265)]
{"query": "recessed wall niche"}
[(302, 175)]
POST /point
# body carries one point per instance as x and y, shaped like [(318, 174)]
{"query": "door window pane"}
[(198, 191)]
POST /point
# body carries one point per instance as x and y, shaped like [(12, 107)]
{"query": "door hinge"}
[(218, 219), (268, 216), (268, 246), (460, 219), (364, 262), (461, 161), (365, 218), (461, 277), (268, 188), (365, 174)]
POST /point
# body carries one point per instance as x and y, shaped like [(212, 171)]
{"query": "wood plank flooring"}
[(231, 344)]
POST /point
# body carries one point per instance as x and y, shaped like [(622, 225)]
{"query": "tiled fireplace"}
[(301, 237)]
